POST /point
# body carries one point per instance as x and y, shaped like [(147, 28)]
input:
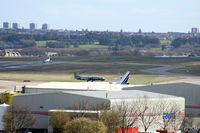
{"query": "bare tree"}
[(171, 114), (18, 118), (179, 117), (85, 105), (102, 106), (80, 105), (165, 109), (188, 121), (146, 109), (127, 112)]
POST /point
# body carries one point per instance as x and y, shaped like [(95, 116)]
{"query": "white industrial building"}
[(3, 109), (73, 86), (41, 103), (190, 91)]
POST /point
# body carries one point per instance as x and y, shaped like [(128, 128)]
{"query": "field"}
[(43, 43), (92, 46), (45, 77), (85, 46), (192, 69), (112, 68), (156, 49), (165, 42)]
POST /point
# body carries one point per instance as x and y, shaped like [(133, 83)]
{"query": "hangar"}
[(41, 103), (189, 91)]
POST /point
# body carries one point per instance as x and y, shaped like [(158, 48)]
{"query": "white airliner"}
[(123, 80)]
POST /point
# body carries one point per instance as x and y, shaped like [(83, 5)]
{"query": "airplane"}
[(47, 60), (88, 78), (123, 80)]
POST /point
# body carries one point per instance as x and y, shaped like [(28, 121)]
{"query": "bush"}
[(84, 125), (58, 120)]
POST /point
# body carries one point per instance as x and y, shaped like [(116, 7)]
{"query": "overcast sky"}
[(112, 15)]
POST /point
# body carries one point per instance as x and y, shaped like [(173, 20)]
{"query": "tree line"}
[(192, 41), (16, 40), (117, 43)]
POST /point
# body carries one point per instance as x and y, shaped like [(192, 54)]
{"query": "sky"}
[(102, 15)]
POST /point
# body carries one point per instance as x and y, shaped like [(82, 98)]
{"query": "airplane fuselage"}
[(90, 78)]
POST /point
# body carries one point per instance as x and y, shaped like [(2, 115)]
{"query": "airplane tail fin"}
[(75, 75), (124, 79)]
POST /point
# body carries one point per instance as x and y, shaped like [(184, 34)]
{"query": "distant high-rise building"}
[(195, 30), (140, 31), (45, 26), (15, 25), (6, 25), (33, 26)]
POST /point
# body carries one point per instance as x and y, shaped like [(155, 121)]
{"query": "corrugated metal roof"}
[(187, 90), (128, 94), (196, 83), (80, 86), (119, 94), (166, 86)]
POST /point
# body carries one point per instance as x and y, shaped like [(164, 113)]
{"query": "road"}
[(6, 85), (8, 65), (159, 69), (164, 70)]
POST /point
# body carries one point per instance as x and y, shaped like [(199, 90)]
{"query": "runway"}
[(7, 65), (164, 70)]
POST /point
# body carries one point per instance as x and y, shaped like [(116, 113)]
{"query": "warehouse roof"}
[(128, 94), (79, 86), (119, 94), (196, 83), (187, 90), (166, 86)]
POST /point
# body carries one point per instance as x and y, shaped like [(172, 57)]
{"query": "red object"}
[(130, 130), (27, 81), (165, 131)]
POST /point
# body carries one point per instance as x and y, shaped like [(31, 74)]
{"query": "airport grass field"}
[(83, 46), (192, 69), (111, 67), (134, 78)]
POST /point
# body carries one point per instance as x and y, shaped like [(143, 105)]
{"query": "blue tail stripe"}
[(125, 80)]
